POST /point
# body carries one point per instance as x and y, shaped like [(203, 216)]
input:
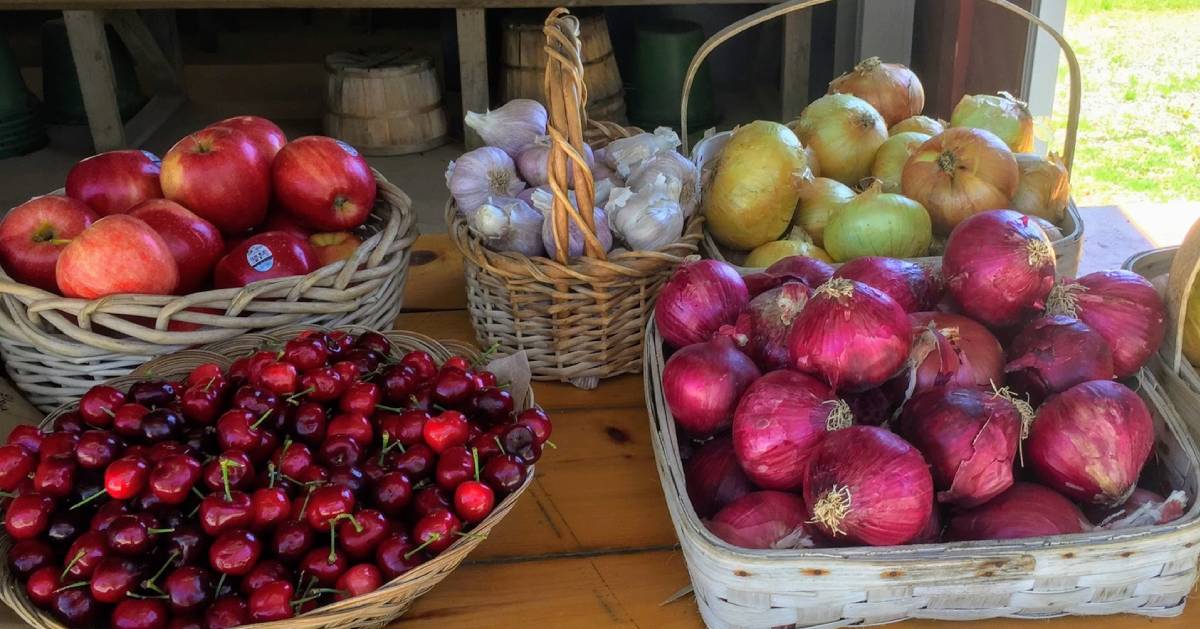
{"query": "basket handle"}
[(566, 96), (1184, 269), (770, 13)]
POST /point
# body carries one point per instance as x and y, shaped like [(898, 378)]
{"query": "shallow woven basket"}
[(581, 319), (1067, 249), (54, 348), (375, 609)]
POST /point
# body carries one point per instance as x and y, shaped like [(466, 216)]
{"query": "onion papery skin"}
[(932, 533), (853, 336), (1102, 516), (845, 132), (811, 271), (1123, 307), (920, 124), (714, 477), (958, 174), (967, 353), (915, 287), (893, 155), (1001, 114), (697, 300), (1025, 510), (999, 267), (769, 319), (1090, 442), (763, 519), (969, 437), (865, 485), (703, 382), (1043, 188), (891, 88), (779, 421), (819, 200), (877, 223), (1055, 353)]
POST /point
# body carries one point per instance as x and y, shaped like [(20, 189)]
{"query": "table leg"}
[(793, 86), (93, 64), (472, 65)]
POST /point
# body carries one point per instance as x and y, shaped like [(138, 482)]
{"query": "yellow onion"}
[(877, 223), (752, 195), (958, 174), (844, 131), (1002, 114), (1043, 186), (796, 244), (920, 124), (1191, 326), (891, 157), (819, 200), (891, 88), (813, 165)]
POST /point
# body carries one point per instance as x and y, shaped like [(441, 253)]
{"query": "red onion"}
[(865, 485), (703, 382), (999, 266), (811, 271), (768, 320), (763, 519), (1055, 353), (1091, 441), (851, 334), (1122, 306), (932, 533), (781, 418), (969, 437), (915, 287), (1143, 508), (699, 298), (1025, 510), (966, 353), (714, 477)]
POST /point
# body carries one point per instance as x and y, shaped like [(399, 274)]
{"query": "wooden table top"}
[(591, 544), (44, 5)]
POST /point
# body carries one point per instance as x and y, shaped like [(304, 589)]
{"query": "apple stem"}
[(262, 418), (88, 499), (71, 564), (59, 241), (72, 586), (433, 537)]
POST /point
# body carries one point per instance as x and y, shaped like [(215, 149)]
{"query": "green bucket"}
[(663, 50), (14, 96), (60, 82)]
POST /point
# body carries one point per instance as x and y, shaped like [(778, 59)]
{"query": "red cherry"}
[(130, 535), (292, 541), (227, 612), (64, 527), (96, 449), (161, 424), (392, 493), (459, 363), (291, 458), (407, 428), (536, 420), (375, 342), (28, 555), (105, 515), (42, 585), (350, 372), (486, 379), (397, 382), (279, 377), (314, 475), (189, 544), (204, 374), (427, 500), (360, 579), (397, 555), (189, 589), (416, 462), (323, 384), (454, 467), (28, 516), (305, 353), (239, 469), (421, 363), (16, 463), (99, 404), (473, 501), (59, 445), (341, 450), (446, 430), (200, 406), (27, 436), (495, 406), (354, 425), (256, 362), (360, 533), (70, 421), (437, 530), (364, 360), (256, 400), (173, 478), (113, 578), (127, 422), (360, 397), (75, 607), (505, 474), (453, 388), (139, 614), (270, 506), (219, 514), (84, 554), (325, 565), (126, 477), (348, 476), (339, 341), (266, 571), (487, 444), (235, 552), (520, 440), (272, 601), (309, 423), (153, 393), (327, 503)]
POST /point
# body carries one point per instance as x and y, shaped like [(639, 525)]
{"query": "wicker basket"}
[(1067, 249), (375, 609), (55, 348), (581, 319)]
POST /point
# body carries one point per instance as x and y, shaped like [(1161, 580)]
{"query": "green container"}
[(60, 82), (14, 96), (663, 50)]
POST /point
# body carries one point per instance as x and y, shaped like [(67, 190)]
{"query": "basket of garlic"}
[(568, 227)]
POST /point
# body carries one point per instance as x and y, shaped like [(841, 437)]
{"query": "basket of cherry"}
[(305, 479)]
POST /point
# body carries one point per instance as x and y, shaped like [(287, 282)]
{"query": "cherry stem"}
[(71, 564), (475, 462), (225, 464), (108, 411), (262, 418), (208, 385), (487, 353), (499, 445), (150, 584), (198, 493), (332, 559), (159, 531), (272, 475), (220, 584), (7, 494), (304, 506), (384, 450), (433, 537), (136, 595), (90, 498), (291, 399), (77, 584), (551, 444), (346, 516), (390, 409)]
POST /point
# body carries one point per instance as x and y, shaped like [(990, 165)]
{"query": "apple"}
[(334, 246), (113, 182), (219, 174), (117, 254), (277, 221), (195, 243), (33, 234), (267, 135), (265, 256), (324, 183)]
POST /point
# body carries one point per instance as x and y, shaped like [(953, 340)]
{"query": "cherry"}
[(256, 362), (487, 444), (427, 500), (458, 363), (350, 372), (327, 503), (272, 601), (113, 578), (127, 422), (314, 475), (378, 464), (42, 585), (188, 543), (267, 442), (59, 445), (126, 477), (270, 506), (205, 374), (172, 479), (239, 370), (423, 398), (96, 449), (354, 425), (360, 579), (348, 476), (504, 474), (143, 613), (360, 533), (416, 462), (75, 607), (238, 467), (292, 540), (538, 421), (485, 379), (264, 572), (309, 423), (375, 342), (421, 363), (305, 353), (397, 555), (365, 360), (446, 430), (323, 384), (98, 405), (131, 535), (161, 424), (325, 565), (453, 388), (16, 463), (291, 458), (454, 467), (341, 450), (494, 406), (279, 377), (220, 513), (27, 436), (28, 555), (28, 516), (437, 530), (473, 501), (153, 393), (64, 527), (188, 589), (521, 441), (105, 515), (200, 405), (392, 493), (235, 552), (257, 401), (227, 612), (406, 428), (338, 341), (397, 382), (70, 421)]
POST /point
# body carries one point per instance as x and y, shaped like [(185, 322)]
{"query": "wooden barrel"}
[(384, 103), (524, 59)]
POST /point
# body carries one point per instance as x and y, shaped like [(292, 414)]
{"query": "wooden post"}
[(797, 41), (93, 64), (472, 66)]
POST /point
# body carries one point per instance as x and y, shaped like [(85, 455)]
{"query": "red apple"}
[(262, 257), (113, 182), (219, 174), (277, 221), (334, 246), (267, 135), (117, 254), (195, 243), (324, 183), (33, 234)]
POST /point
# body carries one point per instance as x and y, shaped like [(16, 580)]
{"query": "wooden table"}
[(590, 544)]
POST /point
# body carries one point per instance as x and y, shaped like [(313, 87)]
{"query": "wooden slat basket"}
[(54, 348), (1067, 249), (375, 609), (578, 319)]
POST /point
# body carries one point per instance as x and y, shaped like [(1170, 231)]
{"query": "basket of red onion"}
[(304, 479), (867, 445)]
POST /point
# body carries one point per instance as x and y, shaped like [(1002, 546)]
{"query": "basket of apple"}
[(322, 479), (235, 230)]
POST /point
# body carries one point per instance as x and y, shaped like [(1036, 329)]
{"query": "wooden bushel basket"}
[(578, 319)]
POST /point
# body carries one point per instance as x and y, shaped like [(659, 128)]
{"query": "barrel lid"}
[(377, 60)]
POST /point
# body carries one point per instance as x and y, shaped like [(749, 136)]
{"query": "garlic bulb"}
[(505, 224), (543, 200), (625, 154), (512, 127), (673, 166), (482, 173), (648, 220), (534, 161)]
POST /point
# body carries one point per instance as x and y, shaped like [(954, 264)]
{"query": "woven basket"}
[(55, 348), (375, 609), (1066, 249), (581, 319)]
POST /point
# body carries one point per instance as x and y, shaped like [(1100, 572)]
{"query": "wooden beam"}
[(472, 65), (152, 117), (161, 70), (797, 56), (93, 64)]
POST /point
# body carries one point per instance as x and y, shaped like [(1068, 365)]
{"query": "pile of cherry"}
[(302, 475)]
